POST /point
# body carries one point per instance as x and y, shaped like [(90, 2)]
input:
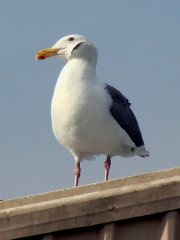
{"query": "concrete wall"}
[(144, 207)]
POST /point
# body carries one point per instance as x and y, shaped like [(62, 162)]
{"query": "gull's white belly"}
[(82, 122)]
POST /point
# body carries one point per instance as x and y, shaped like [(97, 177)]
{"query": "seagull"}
[(90, 117)]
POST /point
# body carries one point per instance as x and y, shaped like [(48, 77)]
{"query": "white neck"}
[(78, 69)]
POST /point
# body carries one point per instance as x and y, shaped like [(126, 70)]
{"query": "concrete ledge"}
[(90, 205)]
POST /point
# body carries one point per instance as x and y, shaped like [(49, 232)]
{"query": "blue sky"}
[(139, 53)]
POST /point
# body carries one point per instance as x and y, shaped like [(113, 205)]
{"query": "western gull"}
[(90, 117)]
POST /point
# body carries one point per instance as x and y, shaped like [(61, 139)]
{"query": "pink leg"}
[(77, 172), (107, 165)]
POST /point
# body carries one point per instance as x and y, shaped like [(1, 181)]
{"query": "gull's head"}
[(70, 47)]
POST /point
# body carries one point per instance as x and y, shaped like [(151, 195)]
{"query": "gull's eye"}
[(71, 39)]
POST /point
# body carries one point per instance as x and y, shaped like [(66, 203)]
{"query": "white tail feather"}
[(142, 152)]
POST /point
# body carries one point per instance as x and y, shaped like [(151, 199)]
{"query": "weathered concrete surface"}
[(146, 206)]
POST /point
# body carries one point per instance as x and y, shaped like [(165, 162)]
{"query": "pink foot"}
[(77, 172), (107, 165)]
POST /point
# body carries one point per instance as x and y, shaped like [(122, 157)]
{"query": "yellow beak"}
[(45, 53)]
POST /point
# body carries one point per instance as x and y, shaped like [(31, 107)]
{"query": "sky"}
[(139, 53)]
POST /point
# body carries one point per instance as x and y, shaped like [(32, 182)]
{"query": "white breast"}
[(80, 114)]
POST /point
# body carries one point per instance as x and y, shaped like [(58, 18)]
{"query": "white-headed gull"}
[(90, 117)]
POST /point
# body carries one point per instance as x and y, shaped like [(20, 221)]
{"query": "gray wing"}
[(122, 113)]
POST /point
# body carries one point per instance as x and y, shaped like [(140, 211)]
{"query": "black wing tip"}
[(122, 113)]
